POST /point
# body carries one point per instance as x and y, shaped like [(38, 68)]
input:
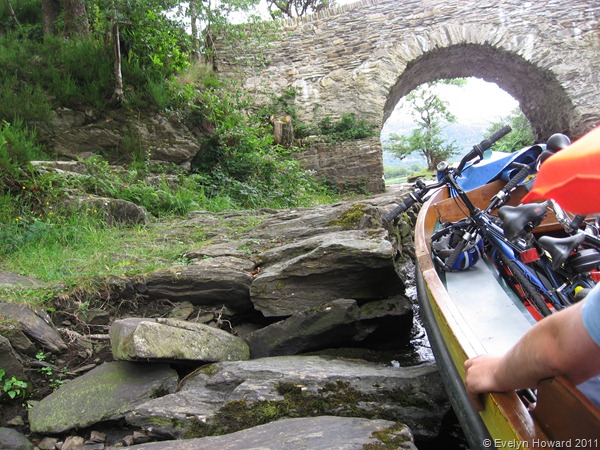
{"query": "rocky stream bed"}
[(295, 333)]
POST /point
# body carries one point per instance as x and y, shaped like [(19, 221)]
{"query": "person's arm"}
[(557, 345)]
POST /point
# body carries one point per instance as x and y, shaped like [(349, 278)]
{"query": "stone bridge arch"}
[(363, 58)]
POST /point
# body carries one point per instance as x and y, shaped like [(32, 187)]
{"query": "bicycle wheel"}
[(524, 288)]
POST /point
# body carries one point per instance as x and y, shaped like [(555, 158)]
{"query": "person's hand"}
[(480, 377)]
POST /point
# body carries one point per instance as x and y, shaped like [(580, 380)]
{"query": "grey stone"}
[(11, 361), (208, 282), (13, 440), (173, 340), (214, 396), (354, 264), (114, 211), (315, 433), (9, 279), (108, 392), (35, 323), (335, 323)]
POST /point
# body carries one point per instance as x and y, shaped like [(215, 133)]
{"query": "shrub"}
[(17, 146), (347, 128)]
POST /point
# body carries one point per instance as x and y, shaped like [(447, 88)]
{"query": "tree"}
[(520, 136), (75, 17), (213, 16), (296, 8), (50, 12), (430, 112), (11, 12)]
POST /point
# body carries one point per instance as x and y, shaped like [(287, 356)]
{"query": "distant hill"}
[(463, 135)]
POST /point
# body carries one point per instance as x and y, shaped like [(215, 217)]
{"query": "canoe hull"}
[(505, 419)]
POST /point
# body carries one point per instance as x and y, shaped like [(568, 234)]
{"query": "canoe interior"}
[(476, 314)]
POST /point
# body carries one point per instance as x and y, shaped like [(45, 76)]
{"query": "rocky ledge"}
[(289, 334)]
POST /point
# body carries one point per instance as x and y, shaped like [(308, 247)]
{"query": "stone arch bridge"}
[(364, 57)]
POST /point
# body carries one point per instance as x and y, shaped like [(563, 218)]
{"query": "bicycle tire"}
[(529, 292)]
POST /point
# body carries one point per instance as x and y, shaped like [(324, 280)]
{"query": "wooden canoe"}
[(470, 313)]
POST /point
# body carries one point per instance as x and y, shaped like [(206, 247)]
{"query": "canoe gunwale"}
[(505, 416)]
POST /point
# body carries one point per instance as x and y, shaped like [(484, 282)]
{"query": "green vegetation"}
[(296, 8), (429, 112), (348, 127), (336, 397), (162, 68), (395, 175), (520, 136), (12, 387)]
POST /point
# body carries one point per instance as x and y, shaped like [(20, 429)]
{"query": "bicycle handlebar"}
[(520, 176), (403, 206), (478, 149), (417, 195)]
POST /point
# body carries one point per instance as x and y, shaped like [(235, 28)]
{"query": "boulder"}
[(339, 322), (107, 392), (317, 433), (114, 211), (305, 274), (229, 396), (174, 340), (75, 135), (13, 440)]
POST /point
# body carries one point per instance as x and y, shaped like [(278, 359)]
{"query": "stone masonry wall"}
[(352, 164), (363, 57)]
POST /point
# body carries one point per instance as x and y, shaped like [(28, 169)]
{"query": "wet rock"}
[(325, 432), (174, 340), (108, 392), (229, 396)]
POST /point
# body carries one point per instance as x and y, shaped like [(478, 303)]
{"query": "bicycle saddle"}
[(516, 220), (560, 248), (556, 142), (584, 260)]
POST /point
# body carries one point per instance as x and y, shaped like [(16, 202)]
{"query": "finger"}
[(475, 400)]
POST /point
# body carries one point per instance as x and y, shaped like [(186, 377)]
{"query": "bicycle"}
[(569, 265), (459, 245)]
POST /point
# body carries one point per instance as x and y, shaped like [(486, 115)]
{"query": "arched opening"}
[(541, 97), (516, 85), (468, 104)]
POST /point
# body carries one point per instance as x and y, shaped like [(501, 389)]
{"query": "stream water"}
[(419, 350)]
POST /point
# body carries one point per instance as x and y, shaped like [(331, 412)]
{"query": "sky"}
[(469, 103)]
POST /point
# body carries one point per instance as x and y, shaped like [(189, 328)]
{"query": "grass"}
[(90, 253), (76, 250)]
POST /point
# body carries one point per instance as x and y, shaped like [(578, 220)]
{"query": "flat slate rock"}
[(315, 433), (107, 392)]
